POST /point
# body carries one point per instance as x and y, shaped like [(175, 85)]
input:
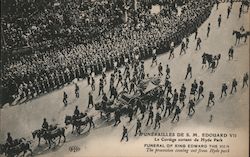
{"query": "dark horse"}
[(77, 122), (49, 135), (39, 133), (18, 147), (239, 36)]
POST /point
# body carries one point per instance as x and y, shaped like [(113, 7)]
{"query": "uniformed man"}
[(200, 90), (157, 120), (45, 124), (210, 98), (65, 97), (183, 48), (160, 103), (231, 53), (228, 11), (101, 86), (234, 85), (93, 84), (187, 42), (76, 90), (198, 44), (182, 98), (9, 140), (130, 113), (160, 70), (150, 116), (90, 100), (191, 107), (168, 107), (196, 34), (176, 114), (208, 30), (240, 10), (76, 112), (219, 20), (167, 72), (169, 89), (124, 134), (223, 90), (245, 80), (175, 99), (117, 117), (171, 52), (143, 110), (189, 71), (138, 127)]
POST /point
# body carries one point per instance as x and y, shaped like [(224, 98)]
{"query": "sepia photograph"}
[(124, 78)]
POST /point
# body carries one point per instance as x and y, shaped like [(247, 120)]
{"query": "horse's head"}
[(234, 32)]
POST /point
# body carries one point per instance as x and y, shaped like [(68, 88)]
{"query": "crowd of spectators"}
[(81, 38)]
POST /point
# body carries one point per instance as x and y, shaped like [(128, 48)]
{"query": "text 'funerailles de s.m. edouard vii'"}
[(213, 143)]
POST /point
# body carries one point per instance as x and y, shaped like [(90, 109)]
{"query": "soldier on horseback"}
[(45, 125)]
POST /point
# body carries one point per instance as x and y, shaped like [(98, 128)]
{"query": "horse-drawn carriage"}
[(17, 147), (78, 122), (146, 92)]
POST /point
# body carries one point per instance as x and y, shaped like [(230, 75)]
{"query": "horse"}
[(239, 35), (52, 134), (39, 133), (22, 146), (77, 122)]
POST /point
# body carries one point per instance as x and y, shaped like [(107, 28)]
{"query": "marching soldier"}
[(171, 52), (231, 53), (200, 90), (65, 97), (234, 85), (245, 80), (183, 46), (191, 107), (157, 120), (90, 100), (182, 98), (138, 127), (198, 44), (219, 20), (175, 99), (223, 90), (101, 86), (130, 113), (124, 134), (189, 71), (228, 11), (187, 42), (168, 107), (176, 114), (210, 98), (76, 90), (167, 72), (183, 88), (150, 116), (93, 84), (167, 82), (160, 70), (143, 110), (196, 34), (169, 89), (208, 29), (117, 117)]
